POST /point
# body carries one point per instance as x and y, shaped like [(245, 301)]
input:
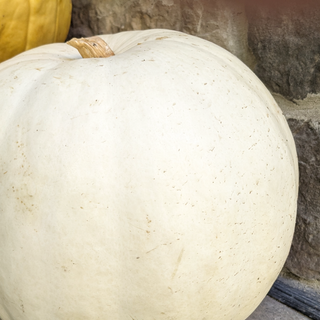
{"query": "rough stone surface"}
[(304, 258), (213, 20), (286, 45), (304, 120)]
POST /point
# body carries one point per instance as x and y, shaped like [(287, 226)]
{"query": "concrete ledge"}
[(270, 309)]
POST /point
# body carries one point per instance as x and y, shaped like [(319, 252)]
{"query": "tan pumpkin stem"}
[(93, 47)]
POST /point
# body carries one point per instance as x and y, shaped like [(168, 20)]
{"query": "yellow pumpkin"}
[(28, 24)]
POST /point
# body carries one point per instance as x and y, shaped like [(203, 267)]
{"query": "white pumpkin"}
[(159, 183)]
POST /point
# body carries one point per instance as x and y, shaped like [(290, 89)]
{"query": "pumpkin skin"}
[(29, 24), (160, 183)]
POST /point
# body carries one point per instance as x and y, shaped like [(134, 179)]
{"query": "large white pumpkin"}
[(159, 183)]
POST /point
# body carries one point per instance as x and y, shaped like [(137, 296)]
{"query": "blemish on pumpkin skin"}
[(164, 244), (22, 306), (177, 264)]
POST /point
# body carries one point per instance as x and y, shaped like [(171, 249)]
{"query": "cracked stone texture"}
[(286, 45), (213, 20)]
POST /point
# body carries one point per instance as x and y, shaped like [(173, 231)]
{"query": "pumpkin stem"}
[(92, 47)]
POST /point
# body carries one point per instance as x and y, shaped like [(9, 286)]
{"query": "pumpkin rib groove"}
[(28, 27), (56, 29)]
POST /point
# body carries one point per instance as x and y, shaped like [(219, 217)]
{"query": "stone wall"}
[(281, 43), (304, 120), (286, 44), (212, 20)]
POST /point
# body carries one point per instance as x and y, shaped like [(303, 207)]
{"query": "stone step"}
[(271, 309)]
